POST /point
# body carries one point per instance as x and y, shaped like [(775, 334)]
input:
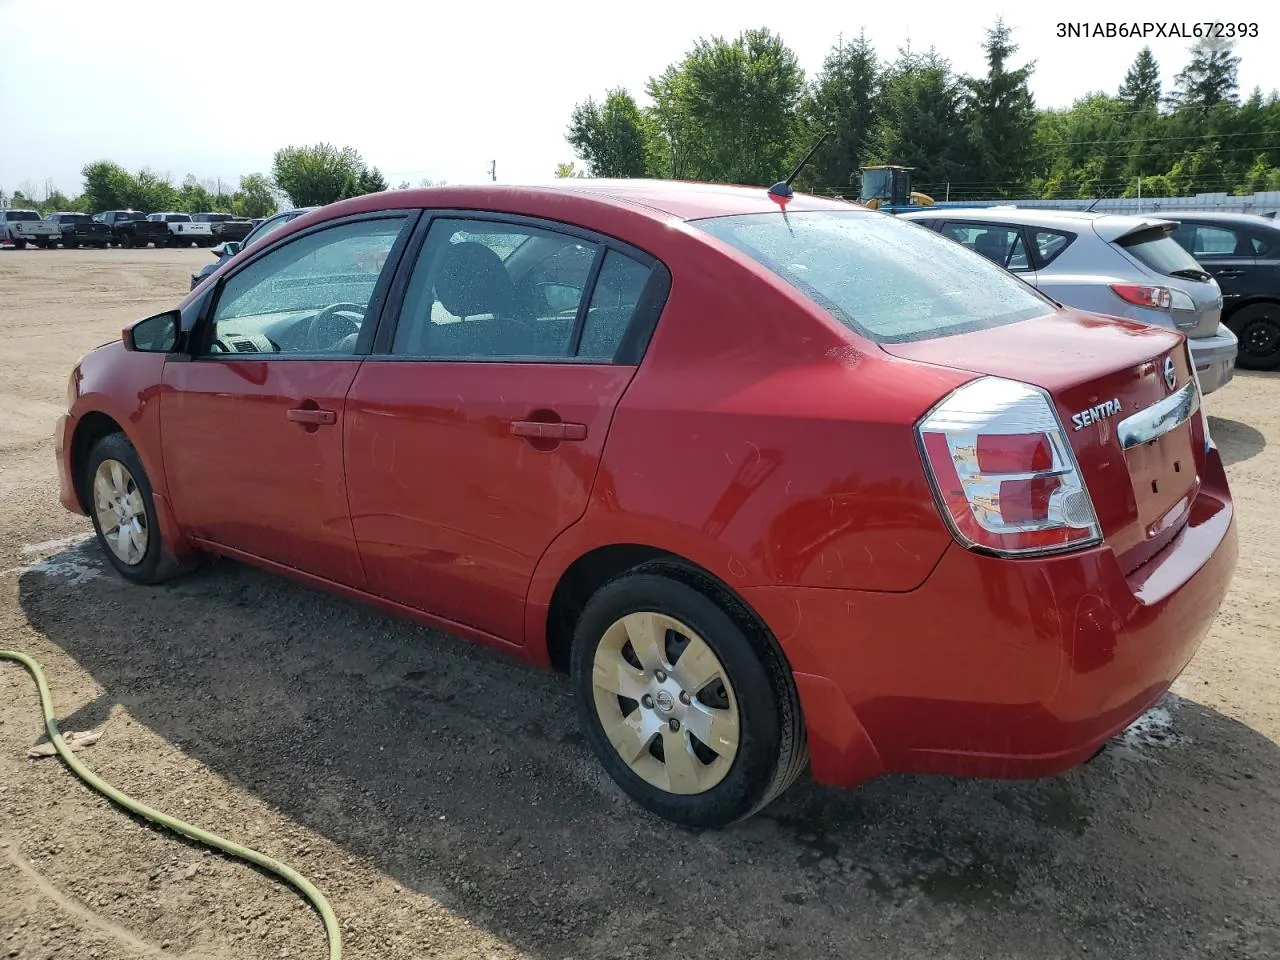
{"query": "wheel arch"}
[(90, 428), (593, 568), (1249, 300)]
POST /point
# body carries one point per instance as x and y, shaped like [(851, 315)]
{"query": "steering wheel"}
[(331, 325)]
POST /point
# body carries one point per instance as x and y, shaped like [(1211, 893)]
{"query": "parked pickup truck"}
[(21, 227), (184, 231), (131, 228), (224, 226), (80, 230)]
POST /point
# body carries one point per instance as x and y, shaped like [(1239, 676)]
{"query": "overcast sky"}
[(440, 90)]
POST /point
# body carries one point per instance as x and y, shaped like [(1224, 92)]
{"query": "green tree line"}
[(741, 110), (307, 176)]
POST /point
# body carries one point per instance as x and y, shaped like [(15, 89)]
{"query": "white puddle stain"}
[(70, 565)]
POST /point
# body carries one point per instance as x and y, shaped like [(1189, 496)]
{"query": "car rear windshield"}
[(76, 218), (885, 278), (1157, 250), (22, 215)]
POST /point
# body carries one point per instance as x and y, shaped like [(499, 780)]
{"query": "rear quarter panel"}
[(763, 441)]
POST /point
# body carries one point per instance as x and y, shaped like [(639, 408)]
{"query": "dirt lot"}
[(444, 801)]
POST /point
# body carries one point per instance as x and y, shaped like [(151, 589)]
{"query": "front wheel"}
[(689, 707), (1257, 327), (123, 511)]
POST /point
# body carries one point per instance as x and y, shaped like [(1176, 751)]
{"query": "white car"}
[(183, 231), (21, 227)]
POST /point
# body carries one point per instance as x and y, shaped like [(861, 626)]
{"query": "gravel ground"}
[(444, 801)]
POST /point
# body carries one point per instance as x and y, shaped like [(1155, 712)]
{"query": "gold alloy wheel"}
[(121, 514), (665, 703)]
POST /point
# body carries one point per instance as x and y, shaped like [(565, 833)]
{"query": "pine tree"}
[(1141, 87), (1001, 116), (842, 101), (1210, 78)]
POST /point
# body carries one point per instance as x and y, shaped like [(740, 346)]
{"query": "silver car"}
[(1121, 266)]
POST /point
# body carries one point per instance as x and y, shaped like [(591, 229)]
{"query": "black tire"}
[(70, 244), (772, 748), (127, 241), (1257, 326), (157, 564), (20, 244)]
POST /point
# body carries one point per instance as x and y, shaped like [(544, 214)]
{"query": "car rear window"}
[(885, 278), (23, 215), (1157, 250)]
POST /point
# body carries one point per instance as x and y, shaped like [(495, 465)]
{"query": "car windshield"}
[(130, 215), (22, 215), (885, 278), (1157, 250)]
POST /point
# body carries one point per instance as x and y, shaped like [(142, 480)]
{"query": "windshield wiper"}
[(1187, 273)]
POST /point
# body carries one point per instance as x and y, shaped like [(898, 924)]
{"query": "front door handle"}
[(539, 430), (1229, 273), (312, 415)]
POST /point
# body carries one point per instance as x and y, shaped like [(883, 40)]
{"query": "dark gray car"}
[(225, 251)]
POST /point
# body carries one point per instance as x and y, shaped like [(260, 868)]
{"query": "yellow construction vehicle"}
[(888, 188)]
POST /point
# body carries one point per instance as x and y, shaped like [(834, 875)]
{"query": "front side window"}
[(487, 290), (310, 296), (1213, 242), (879, 275)]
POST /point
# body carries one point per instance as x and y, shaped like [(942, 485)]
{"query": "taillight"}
[(1161, 298), (1005, 477)]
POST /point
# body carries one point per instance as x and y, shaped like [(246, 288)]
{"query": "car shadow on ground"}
[(1236, 441), (462, 774)]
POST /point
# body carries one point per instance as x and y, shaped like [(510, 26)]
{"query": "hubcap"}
[(665, 703), (122, 517)]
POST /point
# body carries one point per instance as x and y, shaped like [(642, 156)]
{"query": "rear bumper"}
[(1215, 358), (1000, 668)]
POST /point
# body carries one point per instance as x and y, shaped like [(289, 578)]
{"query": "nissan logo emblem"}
[(1170, 373)]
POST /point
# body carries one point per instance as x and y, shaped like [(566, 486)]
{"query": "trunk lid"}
[(1138, 440)]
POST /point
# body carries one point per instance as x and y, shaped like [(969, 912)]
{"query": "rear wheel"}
[(1257, 326), (123, 511), (689, 707), (20, 244)]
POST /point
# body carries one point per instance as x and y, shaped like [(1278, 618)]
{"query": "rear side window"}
[(1050, 243), (1158, 251), (613, 302), (879, 275), (999, 243), (1260, 246)]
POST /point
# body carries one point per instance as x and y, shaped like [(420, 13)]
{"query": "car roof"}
[(1109, 226), (1215, 216), (663, 199)]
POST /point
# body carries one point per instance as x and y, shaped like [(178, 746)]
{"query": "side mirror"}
[(158, 334), (231, 248)]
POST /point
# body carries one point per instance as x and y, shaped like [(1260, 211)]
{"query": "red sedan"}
[(775, 482)]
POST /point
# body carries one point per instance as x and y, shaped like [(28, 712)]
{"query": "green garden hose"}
[(286, 873)]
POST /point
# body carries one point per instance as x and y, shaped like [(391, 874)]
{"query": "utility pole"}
[(493, 170), (1139, 194)]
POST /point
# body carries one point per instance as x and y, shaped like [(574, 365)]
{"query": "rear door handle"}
[(537, 430), (312, 415), (1230, 273)]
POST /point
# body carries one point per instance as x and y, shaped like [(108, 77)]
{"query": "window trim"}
[(195, 345), (635, 338)]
